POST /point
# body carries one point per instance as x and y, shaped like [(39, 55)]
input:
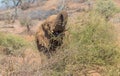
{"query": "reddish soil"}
[(117, 2)]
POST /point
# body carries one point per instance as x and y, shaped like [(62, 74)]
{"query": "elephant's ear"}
[(61, 21), (46, 29)]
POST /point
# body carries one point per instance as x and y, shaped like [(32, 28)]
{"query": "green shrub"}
[(95, 42), (106, 7), (12, 41)]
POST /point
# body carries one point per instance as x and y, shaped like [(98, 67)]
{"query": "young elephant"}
[(50, 34)]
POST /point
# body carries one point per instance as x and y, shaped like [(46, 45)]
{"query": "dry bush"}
[(27, 22), (25, 6), (22, 65), (7, 17)]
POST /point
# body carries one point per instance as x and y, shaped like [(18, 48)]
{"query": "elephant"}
[(51, 32)]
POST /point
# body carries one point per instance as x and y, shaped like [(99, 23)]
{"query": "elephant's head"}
[(55, 24)]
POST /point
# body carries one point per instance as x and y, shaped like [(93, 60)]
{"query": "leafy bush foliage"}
[(95, 42), (94, 39)]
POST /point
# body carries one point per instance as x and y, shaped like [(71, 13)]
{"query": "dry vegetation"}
[(90, 46)]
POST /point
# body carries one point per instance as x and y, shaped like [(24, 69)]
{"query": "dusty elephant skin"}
[(50, 34)]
